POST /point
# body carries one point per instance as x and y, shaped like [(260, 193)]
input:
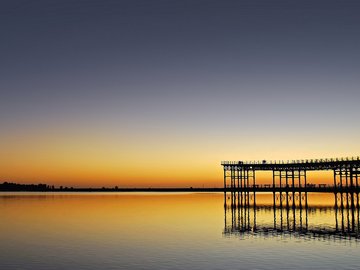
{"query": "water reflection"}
[(168, 231), (290, 214)]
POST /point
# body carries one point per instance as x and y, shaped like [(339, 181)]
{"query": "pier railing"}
[(294, 161)]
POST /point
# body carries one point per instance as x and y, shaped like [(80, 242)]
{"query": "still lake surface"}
[(175, 231)]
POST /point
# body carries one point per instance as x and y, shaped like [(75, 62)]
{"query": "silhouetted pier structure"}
[(289, 177)]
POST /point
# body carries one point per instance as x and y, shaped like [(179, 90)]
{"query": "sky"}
[(158, 93)]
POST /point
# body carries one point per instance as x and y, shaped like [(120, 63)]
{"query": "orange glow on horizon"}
[(87, 158)]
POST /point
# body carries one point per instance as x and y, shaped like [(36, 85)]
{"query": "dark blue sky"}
[(219, 71)]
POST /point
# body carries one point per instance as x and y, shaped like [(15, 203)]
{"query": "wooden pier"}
[(289, 177)]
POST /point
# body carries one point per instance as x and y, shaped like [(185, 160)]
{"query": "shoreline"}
[(123, 190)]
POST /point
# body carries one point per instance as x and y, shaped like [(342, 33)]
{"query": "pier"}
[(289, 177)]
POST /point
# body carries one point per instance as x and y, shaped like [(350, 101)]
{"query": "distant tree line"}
[(25, 187), (7, 186)]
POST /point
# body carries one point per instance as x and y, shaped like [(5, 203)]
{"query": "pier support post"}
[(280, 193), (225, 168), (341, 187), (347, 186), (254, 182), (237, 179), (274, 193), (351, 188), (335, 188), (233, 178), (248, 187), (357, 186), (306, 188), (287, 189), (293, 188)]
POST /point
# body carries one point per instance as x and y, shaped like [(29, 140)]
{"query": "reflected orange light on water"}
[(108, 214)]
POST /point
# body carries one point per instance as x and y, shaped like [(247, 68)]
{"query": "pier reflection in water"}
[(289, 214)]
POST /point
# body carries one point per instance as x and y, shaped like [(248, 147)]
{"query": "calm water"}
[(175, 231)]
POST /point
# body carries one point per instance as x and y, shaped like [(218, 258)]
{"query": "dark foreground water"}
[(175, 231)]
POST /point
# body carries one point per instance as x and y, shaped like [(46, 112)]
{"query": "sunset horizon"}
[(133, 94), (179, 134)]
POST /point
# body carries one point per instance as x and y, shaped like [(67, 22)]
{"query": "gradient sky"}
[(157, 93)]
